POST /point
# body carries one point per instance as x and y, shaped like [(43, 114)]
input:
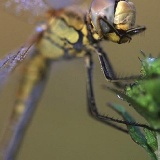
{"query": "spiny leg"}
[(108, 70), (92, 107)]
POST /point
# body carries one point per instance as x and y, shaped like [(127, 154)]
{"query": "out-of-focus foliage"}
[(143, 95)]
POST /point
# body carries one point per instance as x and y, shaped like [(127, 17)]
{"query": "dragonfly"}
[(65, 33)]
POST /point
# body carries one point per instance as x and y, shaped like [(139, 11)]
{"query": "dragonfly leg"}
[(109, 72), (92, 106)]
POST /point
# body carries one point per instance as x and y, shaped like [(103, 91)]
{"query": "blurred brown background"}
[(61, 128)]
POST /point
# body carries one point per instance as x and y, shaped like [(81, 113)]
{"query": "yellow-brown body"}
[(66, 36), (68, 33)]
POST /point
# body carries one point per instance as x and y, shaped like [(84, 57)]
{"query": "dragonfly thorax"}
[(66, 34)]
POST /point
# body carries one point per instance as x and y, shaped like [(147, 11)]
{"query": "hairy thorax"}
[(66, 34)]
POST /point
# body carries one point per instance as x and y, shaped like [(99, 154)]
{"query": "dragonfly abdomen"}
[(30, 89)]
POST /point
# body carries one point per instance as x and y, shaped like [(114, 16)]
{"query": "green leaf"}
[(137, 136), (151, 139)]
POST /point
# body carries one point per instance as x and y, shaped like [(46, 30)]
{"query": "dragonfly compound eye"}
[(100, 9), (125, 15), (113, 19)]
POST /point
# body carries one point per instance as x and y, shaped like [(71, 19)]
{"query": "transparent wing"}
[(10, 61), (22, 7), (56, 4), (37, 8)]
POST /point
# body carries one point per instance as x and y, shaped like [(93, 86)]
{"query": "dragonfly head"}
[(114, 20)]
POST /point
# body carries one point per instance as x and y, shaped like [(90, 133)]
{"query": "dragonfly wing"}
[(9, 62), (26, 10), (56, 4), (35, 9)]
